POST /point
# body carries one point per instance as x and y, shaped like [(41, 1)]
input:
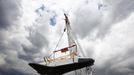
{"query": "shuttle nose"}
[(33, 65), (92, 61)]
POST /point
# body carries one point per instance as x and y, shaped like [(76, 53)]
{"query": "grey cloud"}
[(9, 60), (14, 65), (9, 12), (38, 42), (8, 45), (38, 39), (17, 55), (121, 64), (87, 21), (10, 72), (119, 11), (10, 64), (122, 9)]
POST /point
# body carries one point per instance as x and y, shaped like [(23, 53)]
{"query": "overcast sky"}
[(29, 30)]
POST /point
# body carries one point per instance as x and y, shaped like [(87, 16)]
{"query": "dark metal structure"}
[(59, 70)]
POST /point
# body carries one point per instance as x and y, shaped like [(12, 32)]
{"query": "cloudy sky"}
[(29, 30)]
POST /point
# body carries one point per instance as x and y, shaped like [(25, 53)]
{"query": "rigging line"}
[(79, 45), (58, 43)]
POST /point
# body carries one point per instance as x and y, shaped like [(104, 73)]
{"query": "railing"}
[(68, 56)]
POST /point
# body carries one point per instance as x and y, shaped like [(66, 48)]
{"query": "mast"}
[(72, 46), (71, 42)]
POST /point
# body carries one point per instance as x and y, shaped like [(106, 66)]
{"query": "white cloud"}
[(32, 37), (116, 44)]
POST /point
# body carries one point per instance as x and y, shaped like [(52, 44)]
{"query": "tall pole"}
[(67, 23)]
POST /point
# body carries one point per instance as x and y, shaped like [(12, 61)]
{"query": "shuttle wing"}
[(61, 69)]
